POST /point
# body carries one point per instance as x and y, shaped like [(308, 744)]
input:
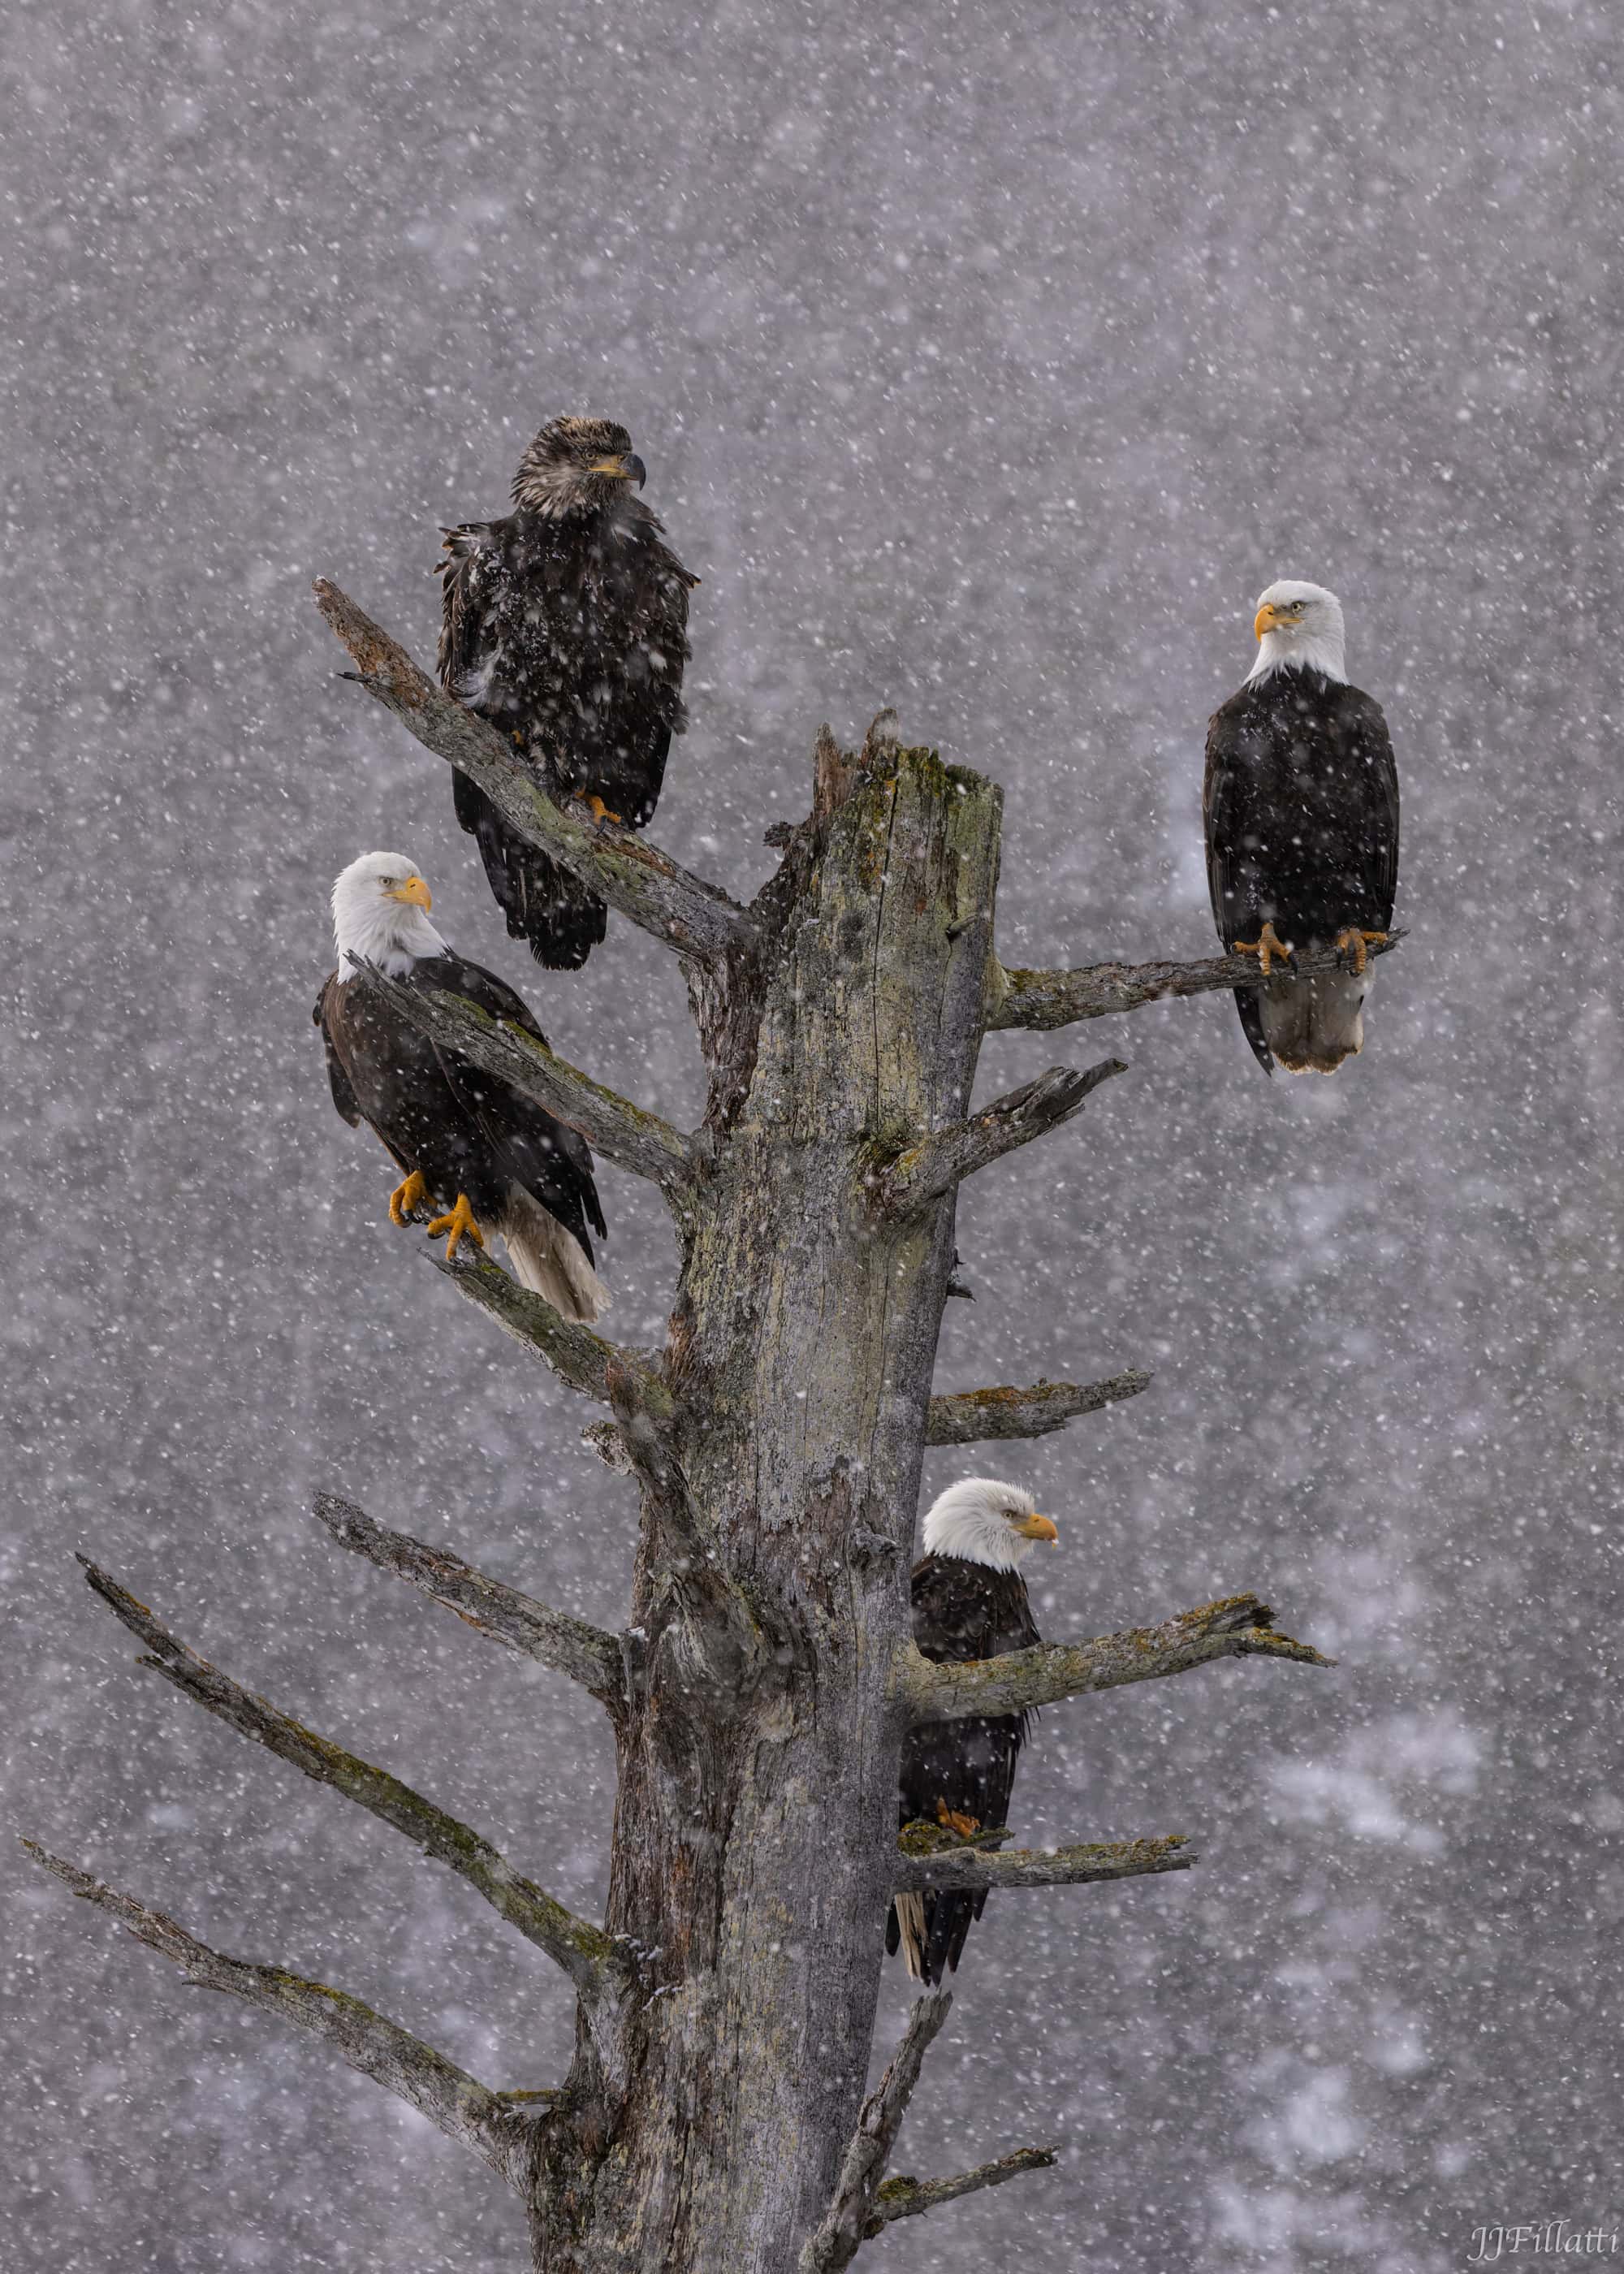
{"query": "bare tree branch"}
[(586, 1653), (463, 2109), (841, 2232), (1046, 999), (934, 1166), (586, 1954), (973, 1868), (971, 1417), (904, 2198), (1240, 1626), (580, 1359), (622, 1132), (635, 876)]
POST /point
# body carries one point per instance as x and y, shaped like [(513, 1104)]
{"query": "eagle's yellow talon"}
[(1352, 942), (1267, 947), (407, 1196), (599, 811), (459, 1224), (966, 1827)]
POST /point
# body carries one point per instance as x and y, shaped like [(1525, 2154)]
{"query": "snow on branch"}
[(971, 1417), (932, 1859), (635, 876), (841, 2231), (1045, 999), (585, 1953), (622, 1132), (463, 2109), (907, 2198), (1240, 1626), (586, 1653), (925, 1172)]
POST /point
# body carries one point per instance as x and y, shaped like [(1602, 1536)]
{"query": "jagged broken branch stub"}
[(584, 1952), (925, 1171), (634, 876), (588, 1655), (1043, 1001), (973, 1416), (462, 2107), (1237, 1626)]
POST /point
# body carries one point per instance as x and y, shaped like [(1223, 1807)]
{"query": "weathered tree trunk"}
[(713, 2121), (756, 1813)]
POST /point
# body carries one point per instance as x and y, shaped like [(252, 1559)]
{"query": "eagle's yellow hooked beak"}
[(1036, 1527), (620, 468), (414, 889), (1269, 619)]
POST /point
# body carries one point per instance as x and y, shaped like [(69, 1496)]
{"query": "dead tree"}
[(713, 2116)]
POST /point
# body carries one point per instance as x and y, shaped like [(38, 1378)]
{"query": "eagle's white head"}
[(380, 913), (985, 1522), (1299, 627)]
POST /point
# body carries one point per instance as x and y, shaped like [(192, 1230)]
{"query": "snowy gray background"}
[(987, 362)]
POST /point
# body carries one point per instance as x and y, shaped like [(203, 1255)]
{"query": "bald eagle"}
[(566, 625), (1301, 810), (969, 1601), (461, 1138)]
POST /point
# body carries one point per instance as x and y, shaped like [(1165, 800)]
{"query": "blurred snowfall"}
[(987, 362)]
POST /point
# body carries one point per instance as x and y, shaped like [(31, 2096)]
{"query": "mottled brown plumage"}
[(566, 625)]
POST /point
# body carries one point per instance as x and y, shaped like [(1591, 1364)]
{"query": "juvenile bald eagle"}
[(566, 625), (463, 1139), (969, 1601), (1301, 809)]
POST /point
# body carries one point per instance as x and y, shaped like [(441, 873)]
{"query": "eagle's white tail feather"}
[(1311, 1025), (911, 1931), (550, 1260)]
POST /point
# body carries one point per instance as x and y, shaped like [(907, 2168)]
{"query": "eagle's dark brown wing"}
[(1372, 772), (965, 1766), (550, 1159), (338, 1077), (1223, 797)]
